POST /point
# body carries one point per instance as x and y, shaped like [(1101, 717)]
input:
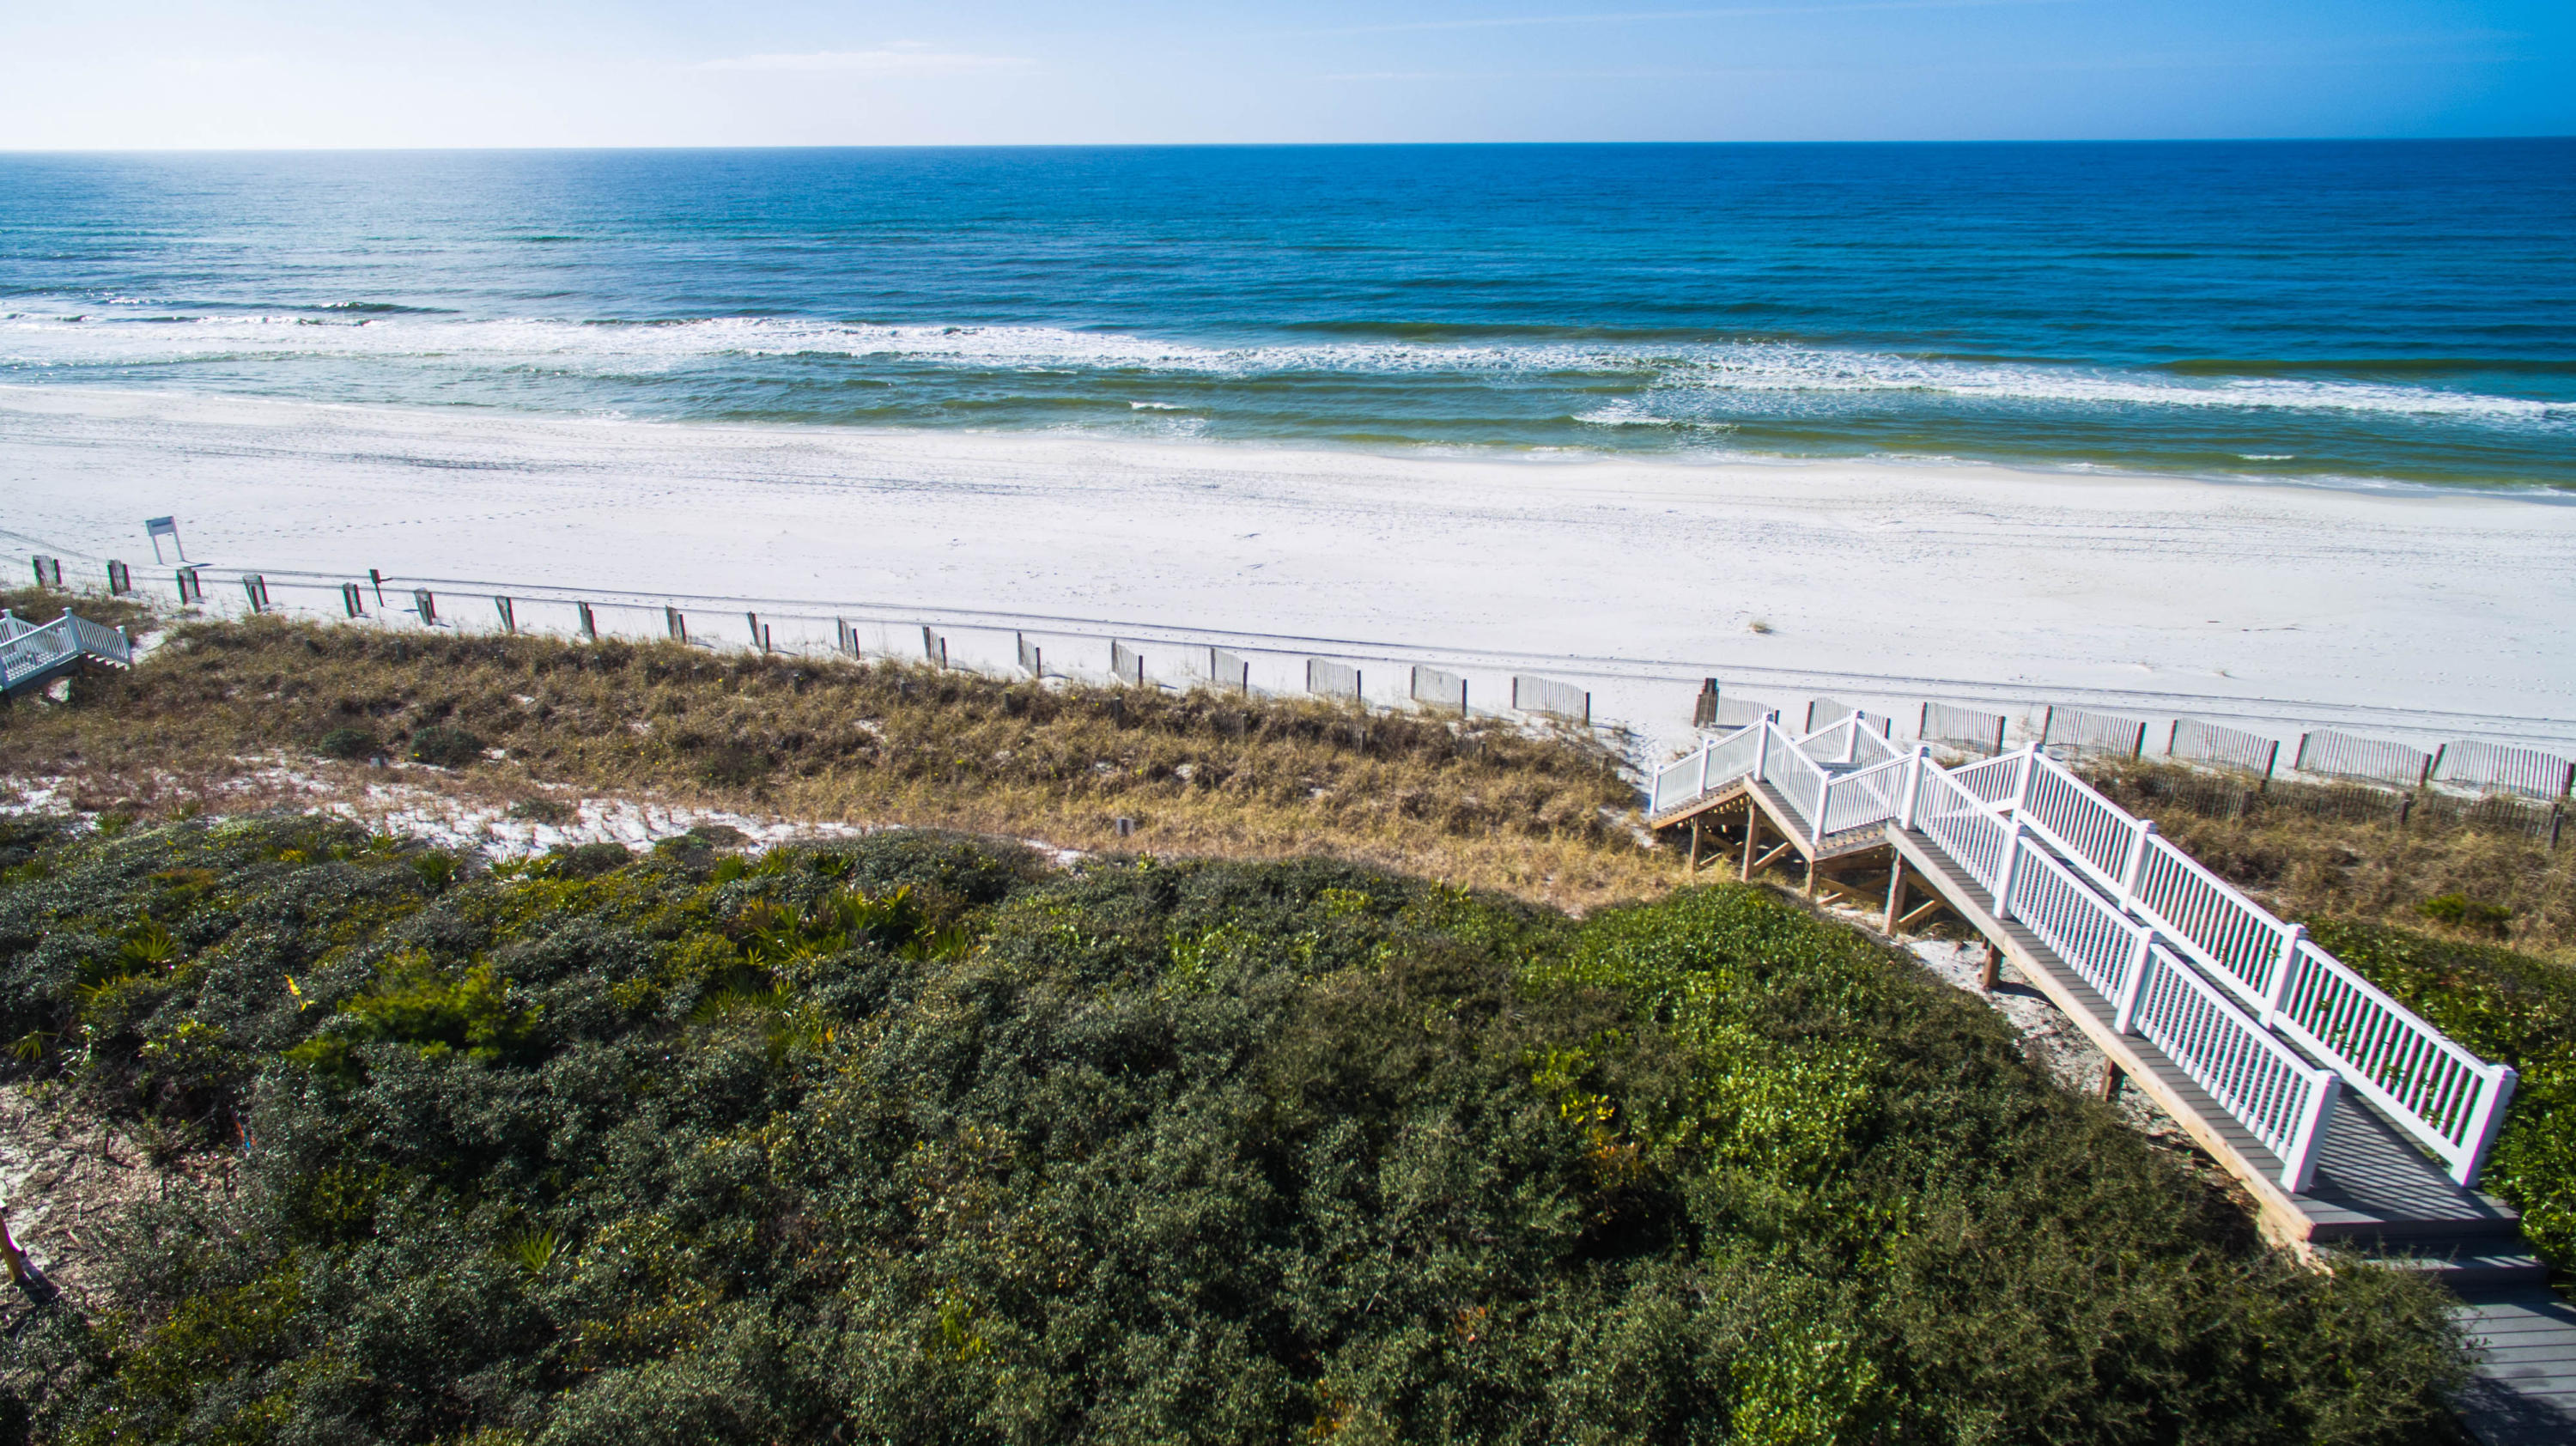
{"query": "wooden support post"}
[(1810, 889), (1895, 892), (1988, 972), (1691, 869), (1752, 835), (2111, 1077)]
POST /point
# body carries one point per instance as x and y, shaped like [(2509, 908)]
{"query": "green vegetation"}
[(913, 1140), (2506, 1006)]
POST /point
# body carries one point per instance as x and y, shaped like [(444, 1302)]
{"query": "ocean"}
[(2349, 312)]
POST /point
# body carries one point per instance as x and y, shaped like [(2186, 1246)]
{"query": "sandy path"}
[(2417, 615)]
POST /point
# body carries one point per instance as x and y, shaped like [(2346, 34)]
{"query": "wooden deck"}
[(2525, 1392), (2373, 1192)]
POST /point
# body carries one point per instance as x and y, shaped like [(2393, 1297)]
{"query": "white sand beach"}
[(2407, 614)]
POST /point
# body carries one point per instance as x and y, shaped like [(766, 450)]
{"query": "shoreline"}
[(2439, 601)]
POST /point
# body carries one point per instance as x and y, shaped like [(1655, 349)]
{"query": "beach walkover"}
[(2351, 1121), (34, 654)]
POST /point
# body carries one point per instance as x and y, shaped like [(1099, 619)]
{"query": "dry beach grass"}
[(204, 721)]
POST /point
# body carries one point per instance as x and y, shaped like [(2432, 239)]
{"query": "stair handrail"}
[(2280, 1099), (2440, 1092), (34, 650), (100, 640), (1712, 766), (2445, 1095), (1863, 796), (1798, 778)]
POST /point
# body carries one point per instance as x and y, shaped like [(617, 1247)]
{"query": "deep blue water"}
[(2371, 310)]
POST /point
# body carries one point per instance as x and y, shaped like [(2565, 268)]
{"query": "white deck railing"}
[(28, 651), (2446, 1097), (1866, 796), (1713, 766), (2104, 947), (1972, 834), (2237, 988), (2279, 1098)]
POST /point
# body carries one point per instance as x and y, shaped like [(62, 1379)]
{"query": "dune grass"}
[(1478, 802), (2465, 883)]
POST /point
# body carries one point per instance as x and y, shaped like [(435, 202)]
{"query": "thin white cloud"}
[(901, 57)]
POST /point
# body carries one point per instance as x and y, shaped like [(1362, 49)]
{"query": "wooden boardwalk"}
[(2373, 1191)]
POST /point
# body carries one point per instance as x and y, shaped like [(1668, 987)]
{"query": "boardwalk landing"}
[(2372, 1192)]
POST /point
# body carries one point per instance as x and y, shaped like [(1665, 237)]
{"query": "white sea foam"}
[(1680, 385)]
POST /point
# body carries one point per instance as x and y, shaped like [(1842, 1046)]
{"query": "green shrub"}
[(445, 747), (907, 1140), (348, 744), (2466, 912)]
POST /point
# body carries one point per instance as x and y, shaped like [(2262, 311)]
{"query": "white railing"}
[(1968, 831), (2281, 1099), (35, 651), (2221, 930), (11, 625), (1995, 780), (29, 651), (1714, 766), (2097, 834), (2108, 895), (101, 641), (1871, 795), (2447, 1096), (1800, 779), (2104, 947), (2260, 1080), (1849, 740)]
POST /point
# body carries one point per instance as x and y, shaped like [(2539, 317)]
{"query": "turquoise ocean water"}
[(2367, 311)]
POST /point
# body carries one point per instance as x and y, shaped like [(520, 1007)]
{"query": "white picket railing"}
[(1996, 779), (101, 641), (1715, 765), (2279, 1098), (2447, 1096), (2104, 947), (1849, 740), (2095, 833), (1870, 795), (28, 651), (2112, 897), (34, 651), (1799, 778), (2449, 1099), (1972, 834), (2222, 931)]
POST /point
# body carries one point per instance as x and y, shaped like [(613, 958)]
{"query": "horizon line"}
[(6, 150)]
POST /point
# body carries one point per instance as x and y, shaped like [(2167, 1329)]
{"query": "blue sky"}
[(289, 73)]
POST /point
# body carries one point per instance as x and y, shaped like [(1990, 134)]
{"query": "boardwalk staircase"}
[(2353, 1124), (34, 654)]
